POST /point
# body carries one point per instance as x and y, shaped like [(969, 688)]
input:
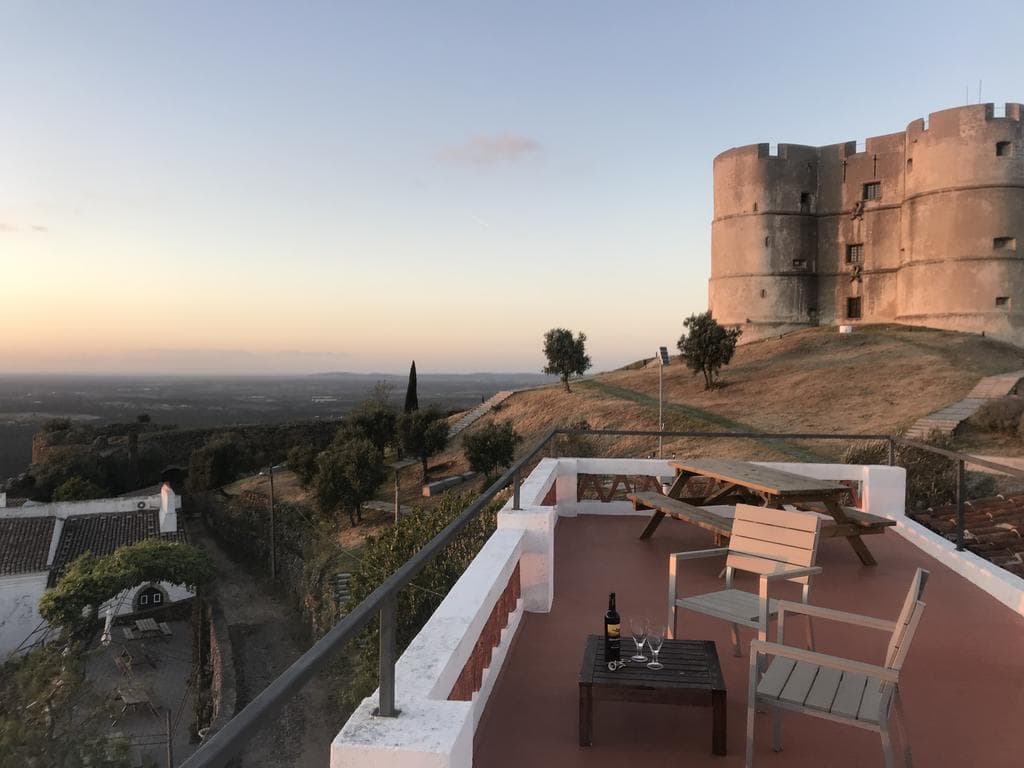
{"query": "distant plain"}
[(26, 402)]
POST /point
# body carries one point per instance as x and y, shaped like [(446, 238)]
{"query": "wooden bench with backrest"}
[(842, 690), (775, 545)]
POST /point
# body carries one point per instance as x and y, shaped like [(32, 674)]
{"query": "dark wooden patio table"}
[(691, 675), (744, 481)]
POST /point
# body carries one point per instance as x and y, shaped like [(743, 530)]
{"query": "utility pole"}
[(662, 362), (170, 749), (273, 546)]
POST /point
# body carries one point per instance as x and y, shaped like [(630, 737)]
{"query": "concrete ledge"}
[(431, 731)]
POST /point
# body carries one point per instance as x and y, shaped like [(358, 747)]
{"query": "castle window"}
[(766, 241), (805, 202), (853, 308), (873, 190), (799, 263), (1002, 302), (763, 293), (1004, 148), (755, 207), (855, 253), (1004, 244), (910, 164)]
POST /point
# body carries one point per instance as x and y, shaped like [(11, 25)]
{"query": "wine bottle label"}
[(614, 630)]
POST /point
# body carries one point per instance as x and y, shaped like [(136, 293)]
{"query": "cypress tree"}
[(412, 402)]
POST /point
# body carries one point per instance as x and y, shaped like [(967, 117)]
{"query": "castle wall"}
[(799, 237)]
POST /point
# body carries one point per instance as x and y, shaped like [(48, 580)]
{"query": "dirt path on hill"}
[(266, 637)]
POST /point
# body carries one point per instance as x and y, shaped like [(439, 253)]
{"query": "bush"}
[(1000, 415), (386, 553), (78, 489), (56, 425), (491, 447), (931, 477), (576, 446)]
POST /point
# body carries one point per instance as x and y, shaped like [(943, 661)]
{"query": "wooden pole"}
[(170, 747)]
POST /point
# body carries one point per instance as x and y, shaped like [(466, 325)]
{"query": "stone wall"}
[(797, 240)]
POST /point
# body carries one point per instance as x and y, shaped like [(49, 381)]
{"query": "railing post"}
[(386, 703), (515, 490), (960, 504), (892, 452)]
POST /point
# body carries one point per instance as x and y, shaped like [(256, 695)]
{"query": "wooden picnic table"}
[(133, 698), (745, 482), (148, 627)]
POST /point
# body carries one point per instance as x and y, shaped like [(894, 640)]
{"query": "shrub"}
[(1000, 415), (490, 447), (931, 477), (78, 489), (386, 553)]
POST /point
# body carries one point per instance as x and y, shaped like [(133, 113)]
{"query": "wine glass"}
[(655, 637), (638, 628)]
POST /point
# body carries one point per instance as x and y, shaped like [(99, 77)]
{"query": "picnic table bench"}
[(745, 482)]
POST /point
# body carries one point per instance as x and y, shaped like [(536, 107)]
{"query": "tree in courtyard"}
[(490, 447), (412, 402), (566, 356), (423, 433), (50, 715), (706, 346), (78, 489), (347, 476)]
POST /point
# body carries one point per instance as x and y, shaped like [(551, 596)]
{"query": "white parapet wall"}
[(431, 731)]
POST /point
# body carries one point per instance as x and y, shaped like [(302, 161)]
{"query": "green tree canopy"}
[(706, 346), (373, 420), (490, 447), (51, 716), (566, 356), (422, 434), (348, 475), (90, 581), (213, 465), (78, 489), (302, 461)]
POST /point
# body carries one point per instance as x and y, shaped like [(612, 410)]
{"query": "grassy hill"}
[(880, 379)]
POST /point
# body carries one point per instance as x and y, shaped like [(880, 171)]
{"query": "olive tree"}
[(566, 356), (423, 433), (348, 475), (490, 447), (706, 346)]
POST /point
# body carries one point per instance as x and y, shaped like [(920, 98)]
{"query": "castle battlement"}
[(920, 226)]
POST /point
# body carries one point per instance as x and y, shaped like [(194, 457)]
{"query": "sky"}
[(291, 187)]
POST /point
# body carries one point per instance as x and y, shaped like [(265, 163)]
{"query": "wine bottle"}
[(612, 631)]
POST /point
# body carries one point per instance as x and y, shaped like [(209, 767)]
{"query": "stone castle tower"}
[(924, 227)]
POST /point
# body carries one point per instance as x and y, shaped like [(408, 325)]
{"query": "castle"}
[(919, 227)]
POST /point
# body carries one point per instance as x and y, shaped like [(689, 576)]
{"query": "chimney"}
[(169, 502)]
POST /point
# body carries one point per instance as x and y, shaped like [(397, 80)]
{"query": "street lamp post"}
[(662, 362)]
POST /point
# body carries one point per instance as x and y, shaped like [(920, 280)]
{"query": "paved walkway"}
[(480, 411), (947, 419)]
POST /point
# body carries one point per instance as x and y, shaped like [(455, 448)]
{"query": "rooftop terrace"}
[(963, 684), (492, 679)]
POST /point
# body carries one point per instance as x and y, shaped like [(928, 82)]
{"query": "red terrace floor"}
[(963, 683)]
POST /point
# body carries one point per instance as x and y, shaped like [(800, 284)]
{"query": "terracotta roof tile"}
[(102, 534), (993, 528), (24, 544)]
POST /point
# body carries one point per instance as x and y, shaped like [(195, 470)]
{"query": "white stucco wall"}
[(430, 731), (19, 608)]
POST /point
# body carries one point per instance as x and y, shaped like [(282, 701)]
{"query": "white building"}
[(39, 541)]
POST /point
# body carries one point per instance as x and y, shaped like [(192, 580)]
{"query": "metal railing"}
[(228, 742)]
